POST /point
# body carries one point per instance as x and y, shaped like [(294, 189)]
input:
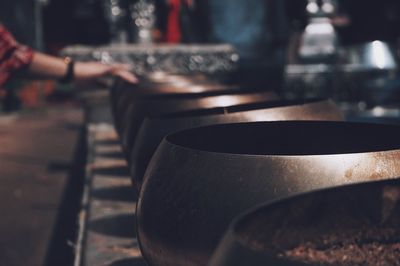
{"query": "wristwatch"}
[(69, 74)]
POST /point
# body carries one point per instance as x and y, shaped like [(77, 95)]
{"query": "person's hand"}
[(92, 73)]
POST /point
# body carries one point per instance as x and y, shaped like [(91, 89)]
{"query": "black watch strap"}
[(69, 74)]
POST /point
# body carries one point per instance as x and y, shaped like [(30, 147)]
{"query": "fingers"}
[(123, 72), (127, 76)]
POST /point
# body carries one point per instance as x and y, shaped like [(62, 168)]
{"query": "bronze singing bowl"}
[(123, 94), (348, 225), (153, 106), (154, 129), (200, 179)]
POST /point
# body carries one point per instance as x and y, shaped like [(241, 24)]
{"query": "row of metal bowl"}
[(348, 225), (217, 157)]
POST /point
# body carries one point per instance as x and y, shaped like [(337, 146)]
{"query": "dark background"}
[(82, 21), (19, 17)]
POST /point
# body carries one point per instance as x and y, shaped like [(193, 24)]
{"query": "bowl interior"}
[(290, 138), (352, 225)]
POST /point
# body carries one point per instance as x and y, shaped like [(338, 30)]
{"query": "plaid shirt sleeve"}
[(13, 56)]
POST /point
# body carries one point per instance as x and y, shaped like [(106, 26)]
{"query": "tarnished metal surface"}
[(200, 179), (132, 107), (107, 225), (123, 95), (165, 86), (153, 130), (368, 213)]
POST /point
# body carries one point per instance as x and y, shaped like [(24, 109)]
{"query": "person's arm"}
[(17, 59), (49, 67)]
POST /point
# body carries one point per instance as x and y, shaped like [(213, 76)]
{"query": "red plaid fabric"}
[(13, 56)]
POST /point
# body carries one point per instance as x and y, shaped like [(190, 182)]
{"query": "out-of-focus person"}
[(257, 28), (22, 61)]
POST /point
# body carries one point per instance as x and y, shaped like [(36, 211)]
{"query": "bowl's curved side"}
[(327, 220), (189, 197), (152, 131), (141, 108)]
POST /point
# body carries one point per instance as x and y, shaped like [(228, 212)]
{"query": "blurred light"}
[(235, 57), (378, 54), (328, 8), (320, 28), (378, 111), (312, 8), (116, 11), (197, 88), (159, 76), (225, 101)]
